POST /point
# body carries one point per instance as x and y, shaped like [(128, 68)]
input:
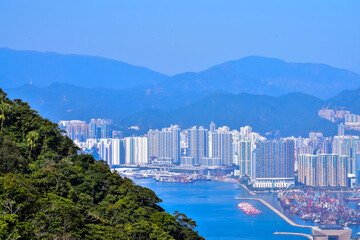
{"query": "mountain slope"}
[(349, 99), (43, 68), (48, 191), (61, 101), (259, 75), (293, 114)]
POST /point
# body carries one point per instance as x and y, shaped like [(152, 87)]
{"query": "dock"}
[(295, 234), (289, 221)]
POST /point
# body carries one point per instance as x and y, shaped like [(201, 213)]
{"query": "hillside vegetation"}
[(48, 191)]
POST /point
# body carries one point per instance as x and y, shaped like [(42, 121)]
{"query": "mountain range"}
[(270, 76), (44, 68), (268, 94)]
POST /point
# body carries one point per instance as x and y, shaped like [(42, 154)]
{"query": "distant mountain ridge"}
[(253, 91), (44, 68), (291, 114), (253, 74), (260, 75), (61, 101)]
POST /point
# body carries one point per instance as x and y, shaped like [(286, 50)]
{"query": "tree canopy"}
[(48, 191)]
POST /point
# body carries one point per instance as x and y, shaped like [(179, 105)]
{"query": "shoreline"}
[(248, 190)]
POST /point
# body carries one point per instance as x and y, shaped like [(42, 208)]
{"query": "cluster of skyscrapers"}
[(319, 160), (244, 150), (329, 161), (80, 131)]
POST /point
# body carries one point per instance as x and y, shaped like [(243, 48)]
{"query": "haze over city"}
[(186, 120)]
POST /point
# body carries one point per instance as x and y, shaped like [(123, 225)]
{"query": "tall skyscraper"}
[(323, 170), (245, 132), (221, 145), (342, 145), (136, 150), (105, 132), (198, 143), (212, 127), (118, 152), (165, 145), (341, 129), (105, 147), (243, 155), (274, 163)]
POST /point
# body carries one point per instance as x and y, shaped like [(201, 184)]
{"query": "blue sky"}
[(187, 35)]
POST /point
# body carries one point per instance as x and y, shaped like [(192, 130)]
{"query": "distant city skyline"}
[(176, 37)]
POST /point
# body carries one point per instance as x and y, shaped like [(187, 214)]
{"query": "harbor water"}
[(212, 205)]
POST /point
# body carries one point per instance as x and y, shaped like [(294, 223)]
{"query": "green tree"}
[(32, 138), (5, 110)]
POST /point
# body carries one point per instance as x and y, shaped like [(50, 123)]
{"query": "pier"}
[(289, 221), (295, 234)]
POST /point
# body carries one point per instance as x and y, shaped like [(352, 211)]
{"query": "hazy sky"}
[(187, 35)]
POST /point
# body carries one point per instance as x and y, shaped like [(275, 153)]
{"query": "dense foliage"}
[(48, 191)]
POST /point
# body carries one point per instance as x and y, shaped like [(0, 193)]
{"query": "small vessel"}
[(248, 209)]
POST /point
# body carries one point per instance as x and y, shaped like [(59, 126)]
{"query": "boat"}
[(248, 209)]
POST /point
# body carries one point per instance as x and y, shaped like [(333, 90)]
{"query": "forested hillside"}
[(48, 191)]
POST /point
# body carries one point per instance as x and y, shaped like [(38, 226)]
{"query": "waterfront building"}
[(210, 162), (323, 170), (197, 143), (274, 163), (105, 150), (187, 161), (165, 144), (331, 232), (136, 150), (118, 152), (242, 156), (221, 145)]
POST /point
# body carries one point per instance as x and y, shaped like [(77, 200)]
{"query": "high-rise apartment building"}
[(118, 152), (274, 163), (243, 156), (341, 129), (75, 129), (323, 169), (197, 143), (136, 150), (164, 145), (221, 145), (105, 150)]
